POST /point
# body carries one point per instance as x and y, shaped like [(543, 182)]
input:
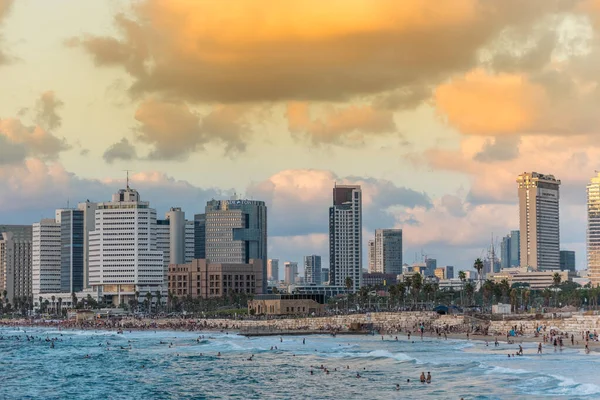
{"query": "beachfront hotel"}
[(123, 255), (345, 236), (46, 257), (593, 230), (539, 221), (15, 261)]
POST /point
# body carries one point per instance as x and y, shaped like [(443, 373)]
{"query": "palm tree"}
[(41, 299), (53, 307), (478, 265), (469, 291), (505, 288), (60, 306), (526, 295), (428, 290), (137, 300), (158, 303), (513, 300), (487, 291), (417, 284), (463, 277), (349, 284), (556, 278), (149, 298)]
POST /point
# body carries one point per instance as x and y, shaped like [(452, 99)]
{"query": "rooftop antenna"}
[(127, 171)]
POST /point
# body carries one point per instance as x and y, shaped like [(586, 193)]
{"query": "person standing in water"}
[(428, 377), (422, 377)]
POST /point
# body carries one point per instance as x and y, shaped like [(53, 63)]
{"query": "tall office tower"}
[(312, 269), (190, 241), (567, 260), (291, 272), (593, 230), (15, 261), (200, 236), (273, 269), (123, 254), (371, 256), (46, 257), (175, 237), (515, 248), (176, 219), (510, 250), (324, 276), (449, 272), (345, 236), (236, 232), (539, 221), (505, 252), (72, 237), (89, 224), (430, 266), (388, 251)]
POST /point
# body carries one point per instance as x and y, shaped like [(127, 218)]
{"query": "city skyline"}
[(434, 141)]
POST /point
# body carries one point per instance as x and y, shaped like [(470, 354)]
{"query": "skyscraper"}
[(123, 255), (236, 232), (510, 251), (273, 269), (89, 224), (46, 257), (371, 256), (385, 252), (15, 261), (567, 260), (431, 265), (593, 230), (539, 220), (72, 237), (291, 271), (312, 269), (345, 236)]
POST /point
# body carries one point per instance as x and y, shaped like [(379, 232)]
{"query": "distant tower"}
[(593, 230), (539, 221)]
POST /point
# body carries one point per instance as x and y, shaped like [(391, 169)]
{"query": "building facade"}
[(287, 304), (387, 251), (89, 224), (325, 276), (371, 255), (379, 280), (16, 261), (290, 272), (567, 260), (593, 230), (199, 278), (273, 269), (345, 236), (312, 269), (430, 266), (510, 250), (123, 254), (539, 221), (46, 257), (236, 232), (72, 253)]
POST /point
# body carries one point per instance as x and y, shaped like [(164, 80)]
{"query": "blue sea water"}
[(151, 370)]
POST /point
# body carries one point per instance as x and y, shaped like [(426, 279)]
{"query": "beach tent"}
[(441, 309)]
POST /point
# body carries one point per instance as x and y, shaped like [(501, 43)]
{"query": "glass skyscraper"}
[(71, 253), (593, 230)]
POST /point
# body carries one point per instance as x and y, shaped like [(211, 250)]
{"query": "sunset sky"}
[(433, 106)]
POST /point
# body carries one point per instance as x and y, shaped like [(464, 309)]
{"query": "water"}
[(459, 368)]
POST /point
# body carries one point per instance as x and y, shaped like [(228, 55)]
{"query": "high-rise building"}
[(200, 236), (510, 250), (312, 269), (291, 272), (89, 224), (123, 255), (15, 261), (431, 265), (273, 269), (72, 237), (46, 257), (385, 252), (345, 236), (567, 260), (515, 248), (539, 221), (236, 232), (371, 256), (324, 275), (449, 271), (175, 237), (593, 230)]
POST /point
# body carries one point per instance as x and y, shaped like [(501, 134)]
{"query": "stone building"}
[(287, 304), (200, 278)]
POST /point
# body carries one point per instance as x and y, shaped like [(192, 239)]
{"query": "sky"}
[(434, 107)]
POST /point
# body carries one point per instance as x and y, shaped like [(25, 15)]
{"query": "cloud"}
[(500, 149), (33, 140), (5, 6), (46, 111), (174, 130), (122, 150), (339, 125), (235, 51), (302, 198)]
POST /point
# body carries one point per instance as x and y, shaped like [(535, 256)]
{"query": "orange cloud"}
[(339, 123), (265, 50)]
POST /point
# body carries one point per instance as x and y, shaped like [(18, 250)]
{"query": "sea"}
[(87, 364)]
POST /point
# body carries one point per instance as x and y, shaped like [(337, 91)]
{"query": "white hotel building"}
[(123, 254), (46, 257)]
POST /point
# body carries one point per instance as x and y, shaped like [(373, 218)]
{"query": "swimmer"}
[(397, 386), (428, 377), (422, 377)]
